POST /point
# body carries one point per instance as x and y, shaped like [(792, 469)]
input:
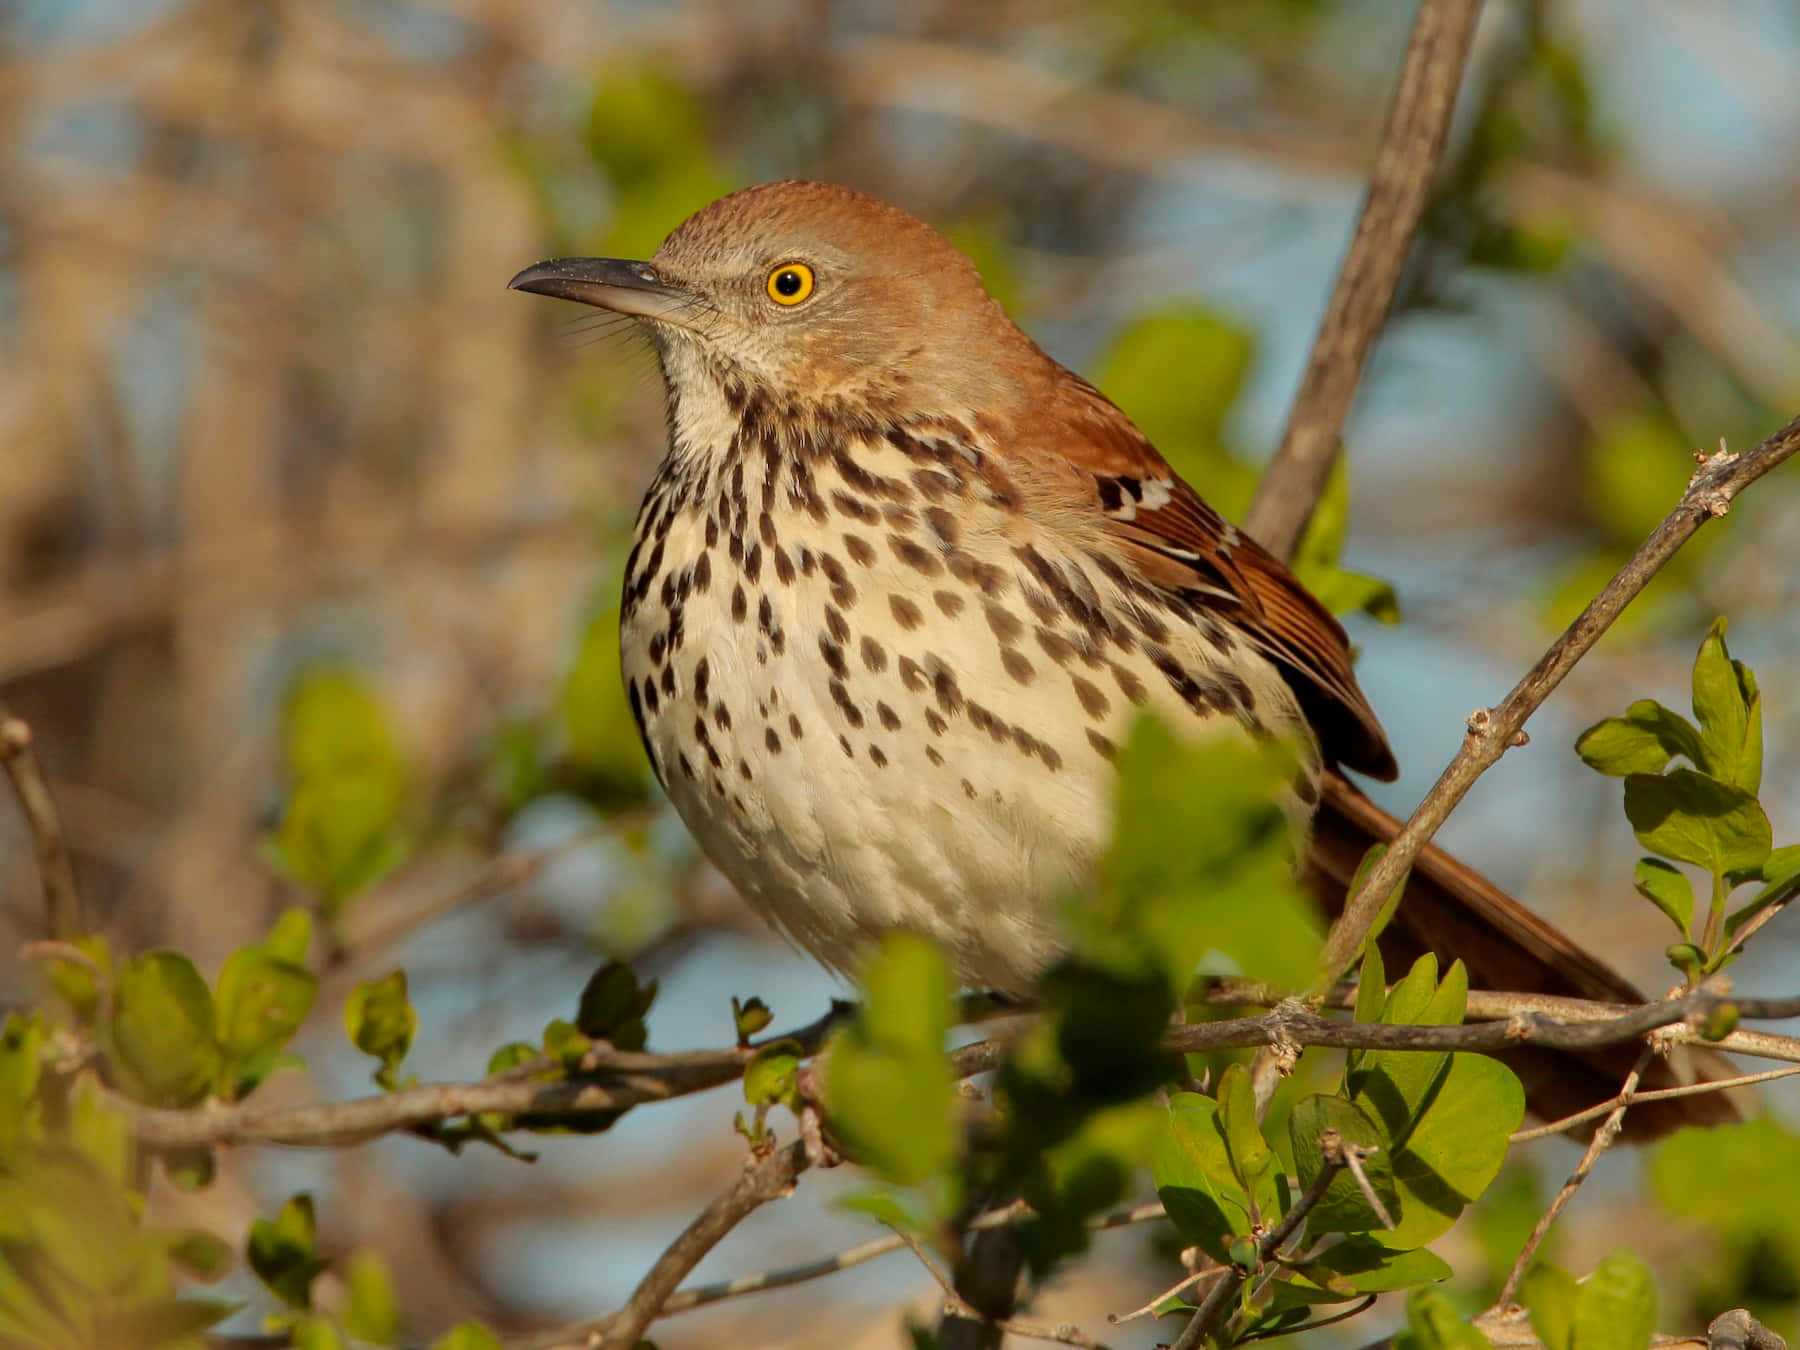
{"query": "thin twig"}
[(1655, 1095), (763, 1179), (1212, 1309), (1603, 1139), (62, 901), (1411, 142), (1709, 494)]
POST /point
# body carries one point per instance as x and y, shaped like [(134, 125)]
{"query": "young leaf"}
[(1355, 1267), (467, 1336), (281, 1252), (163, 1030), (1616, 1307), (1669, 891), (1644, 740), (382, 1023), (1729, 710), (1781, 873), (22, 1041), (1244, 1142), (263, 999), (888, 1090), (749, 1017), (1692, 817), (374, 1312), (772, 1077), (613, 1005), (1550, 1293), (1194, 1178), (1432, 1323)]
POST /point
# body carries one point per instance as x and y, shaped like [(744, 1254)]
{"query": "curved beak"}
[(609, 283)]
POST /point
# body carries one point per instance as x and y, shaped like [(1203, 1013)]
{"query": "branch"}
[(1603, 1139), (1212, 1309), (62, 902), (1710, 493), (765, 1178), (612, 1080), (1411, 142)]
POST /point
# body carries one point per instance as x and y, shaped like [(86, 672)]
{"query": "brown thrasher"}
[(902, 583)]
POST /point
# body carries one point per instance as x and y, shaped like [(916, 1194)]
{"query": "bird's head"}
[(809, 293)]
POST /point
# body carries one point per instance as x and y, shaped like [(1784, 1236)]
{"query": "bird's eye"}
[(790, 283)]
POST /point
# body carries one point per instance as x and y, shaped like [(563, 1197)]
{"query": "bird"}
[(901, 584)]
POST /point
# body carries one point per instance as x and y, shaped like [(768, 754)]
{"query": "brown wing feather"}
[(1182, 542)]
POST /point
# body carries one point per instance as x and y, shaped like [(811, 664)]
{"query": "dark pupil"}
[(788, 282)]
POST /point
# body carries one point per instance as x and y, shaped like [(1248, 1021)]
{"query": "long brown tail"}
[(1454, 911)]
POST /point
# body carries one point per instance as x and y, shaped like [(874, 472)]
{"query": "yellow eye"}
[(790, 283)]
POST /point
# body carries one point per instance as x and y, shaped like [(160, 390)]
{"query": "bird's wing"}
[(1178, 542)]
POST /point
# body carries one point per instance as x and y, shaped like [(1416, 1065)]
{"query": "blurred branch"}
[(1603, 1139), (62, 902), (765, 1178), (1655, 1095), (1492, 732), (613, 1080), (1411, 142)]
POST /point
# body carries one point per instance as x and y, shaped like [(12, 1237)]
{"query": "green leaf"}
[(1194, 1178), (1353, 1268), (1642, 741), (467, 1336), (163, 1029), (1316, 558), (1432, 1323), (889, 1094), (1226, 901), (374, 1311), (1249, 1152), (602, 737), (749, 1018), (340, 829), (1781, 872), (1371, 987), (613, 1005), (1185, 417), (263, 998), (1669, 891), (772, 1077), (1551, 1294), (1616, 1309), (101, 1133), (281, 1252), (77, 983), (1343, 1208), (22, 1041), (1694, 818), (1729, 710), (201, 1256), (382, 1023), (1445, 1119)]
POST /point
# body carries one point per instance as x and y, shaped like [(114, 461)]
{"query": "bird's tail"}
[(1452, 910)]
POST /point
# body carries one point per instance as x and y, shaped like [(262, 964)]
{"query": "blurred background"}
[(285, 466)]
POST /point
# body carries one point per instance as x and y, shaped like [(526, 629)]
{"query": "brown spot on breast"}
[(841, 696), (794, 728), (908, 615), (740, 604), (1101, 744), (771, 740), (784, 566), (943, 525), (889, 719), (935, 720), (874, 655), (855, 508), (834, 657), (915, 555), (702, 573), (722, 717), (968, 789), (1129, 684), (912, 675), (949, 602), (1057, 647), (875, 753), (1093, 702), (861, 551), (1004, 623), (835, 625), (1016, 665), (744, 769), (932, 755)]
